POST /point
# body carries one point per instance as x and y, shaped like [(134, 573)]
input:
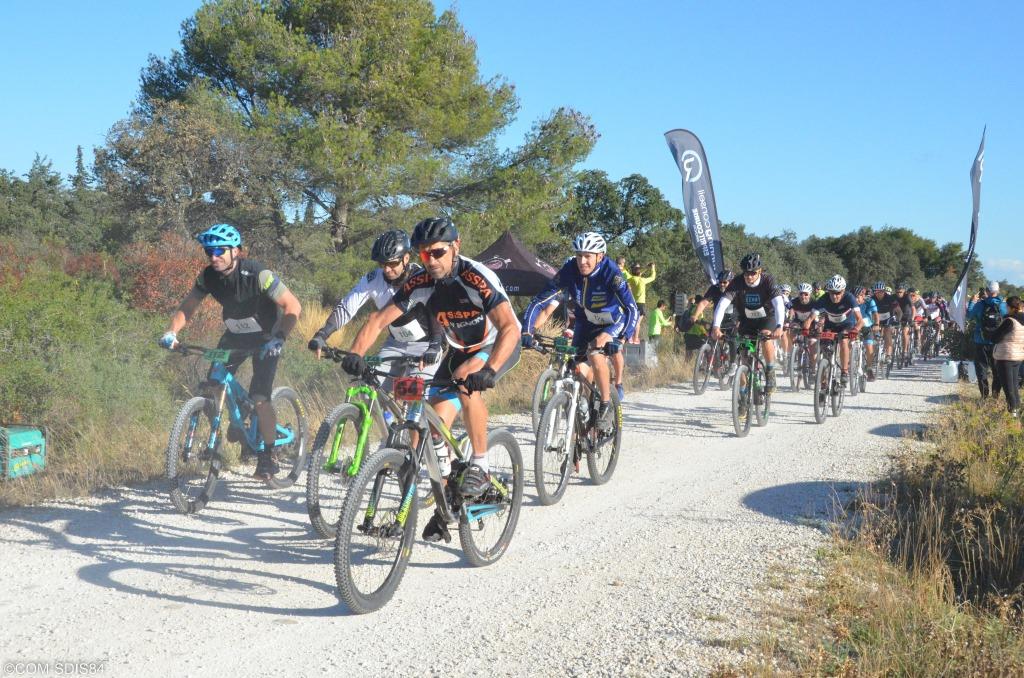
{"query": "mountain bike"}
[(750, 394), (714, 357), (897, 359), (341, 442), (930, 341), (828, 377), (195, 455), (558, 368), (800, 363), (858, 375), (569, 431), (378, 518)]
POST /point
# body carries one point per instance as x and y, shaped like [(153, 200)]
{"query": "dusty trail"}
[(651, 574)]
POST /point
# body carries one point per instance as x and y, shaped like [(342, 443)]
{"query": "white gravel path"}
[(651, 574)]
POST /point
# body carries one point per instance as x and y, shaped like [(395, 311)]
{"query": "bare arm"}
[(288, 303), (185, 310), (508, 335)]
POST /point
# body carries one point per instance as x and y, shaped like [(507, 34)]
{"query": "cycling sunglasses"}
[(215, 251), (435, 253)]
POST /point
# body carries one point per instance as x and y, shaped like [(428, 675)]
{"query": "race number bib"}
[(934, 315), (242, 325), (756, 312), (836, 318), (604, 318), (411, 331)]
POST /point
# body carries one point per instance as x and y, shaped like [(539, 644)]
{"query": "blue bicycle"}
[(196, 451)]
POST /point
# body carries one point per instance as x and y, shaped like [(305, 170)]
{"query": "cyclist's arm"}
[(860, 318), (375, 324), (550, 291), (631, 312), (185, 310), (346, 308), (721, 307), (779, 304), (505, 322)]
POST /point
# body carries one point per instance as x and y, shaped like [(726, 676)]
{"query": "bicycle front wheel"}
[(327, 482), (702, 369), (838, 394), (486, 524), (291, 418), (376, 532), (603, 455), (542, 393), (822, 385), (191, 471), (552, 455), (855, 368), (741, 401), (762, 398), (795, 368)]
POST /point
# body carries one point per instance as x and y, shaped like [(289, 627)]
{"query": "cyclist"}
[(889, 313), (933, 315), (801, 309), (412, 333), (763, 308), (787, 300), (918, 314), (842, 315), (906, 305), (258, 312), (605, 310), (638, 283), (481, 329), (710, 298), (869, 312)]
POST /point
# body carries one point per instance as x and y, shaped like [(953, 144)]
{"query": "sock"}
[(482, 463)]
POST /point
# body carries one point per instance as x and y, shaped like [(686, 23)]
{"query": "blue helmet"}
[(220, 235)]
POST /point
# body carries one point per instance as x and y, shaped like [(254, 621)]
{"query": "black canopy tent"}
[(520, 271)]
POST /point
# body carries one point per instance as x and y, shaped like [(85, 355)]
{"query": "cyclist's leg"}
[(599, 364)]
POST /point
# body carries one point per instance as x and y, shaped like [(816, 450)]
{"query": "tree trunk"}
[(339, 225)]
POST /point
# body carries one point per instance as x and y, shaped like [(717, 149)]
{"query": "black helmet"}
[(751, 262), (725, 276), (437, 229), (390, 245)]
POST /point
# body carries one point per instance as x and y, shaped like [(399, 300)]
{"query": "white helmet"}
[(836, 283), (805, 288), (590, 242), (879, 286), (786, 288)]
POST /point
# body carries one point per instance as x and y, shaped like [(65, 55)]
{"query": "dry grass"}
[(925, 576)]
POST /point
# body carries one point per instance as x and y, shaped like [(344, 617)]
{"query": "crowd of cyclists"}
[(451, 315)]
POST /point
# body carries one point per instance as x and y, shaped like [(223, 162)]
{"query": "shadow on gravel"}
[(947, 399), (814, 504), (899, 431)]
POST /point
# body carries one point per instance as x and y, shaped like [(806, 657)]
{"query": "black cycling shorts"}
[(263, 369), (752, 326)]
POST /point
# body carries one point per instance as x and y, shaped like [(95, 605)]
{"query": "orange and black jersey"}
[(459, 302)]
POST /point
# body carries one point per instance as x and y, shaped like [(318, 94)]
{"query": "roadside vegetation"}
[(925, 570)]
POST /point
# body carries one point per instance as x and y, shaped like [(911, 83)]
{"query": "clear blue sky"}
[(817, 117)]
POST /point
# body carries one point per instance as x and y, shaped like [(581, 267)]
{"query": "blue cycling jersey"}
[(838, 312), (867, 311), (601, 298)]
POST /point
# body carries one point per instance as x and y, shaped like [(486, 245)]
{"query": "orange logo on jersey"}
[(418, 280), (445, 318), (477, 281)]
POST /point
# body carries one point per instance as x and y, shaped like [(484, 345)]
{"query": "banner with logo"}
[(698, 200), (958, 304)]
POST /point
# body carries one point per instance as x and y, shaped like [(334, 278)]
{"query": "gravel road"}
[(653, 574)]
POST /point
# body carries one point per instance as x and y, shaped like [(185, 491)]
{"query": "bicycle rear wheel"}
[(291, 416), (855, 368), (374, 540), (795, 368), (542, 393), (702, 368), (191, 472), (327, 484), (822, 385), (552, 456), (603, 455), (741, 413), (486, 524)]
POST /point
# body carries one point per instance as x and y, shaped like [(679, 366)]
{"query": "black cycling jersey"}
[(907, 306), (802, 311), (248, 296), (459, 302), (886, 307), (838, 312), (755, 301)]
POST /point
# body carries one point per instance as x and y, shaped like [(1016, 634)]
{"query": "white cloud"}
[(1011, 270)]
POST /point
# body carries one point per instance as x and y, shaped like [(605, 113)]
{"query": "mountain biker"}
[(605, 310), (481, 329), (906, 305), (889, 313), (710, 298), (258, 312), (787, 300), (918, 310), (842, 315), (802, 309), (411, 334), (763, 308), (869, 312)]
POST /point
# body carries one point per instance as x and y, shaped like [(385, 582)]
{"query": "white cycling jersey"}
[(413, 326)]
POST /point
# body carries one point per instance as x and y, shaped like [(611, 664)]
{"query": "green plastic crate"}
[(22, 450)]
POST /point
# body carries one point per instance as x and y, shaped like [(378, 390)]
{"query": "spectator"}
[(1009, 352), (987, 314), (638, 283), (659, 319)]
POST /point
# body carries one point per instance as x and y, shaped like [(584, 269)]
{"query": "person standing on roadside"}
[(659, 320), (638, 282), (987, 314), (1009, 352)]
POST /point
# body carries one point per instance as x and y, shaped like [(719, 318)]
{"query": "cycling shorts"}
[(867, 336), (263, 369), (455, 359), (584, 333), (752, 326), (840, 327)]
